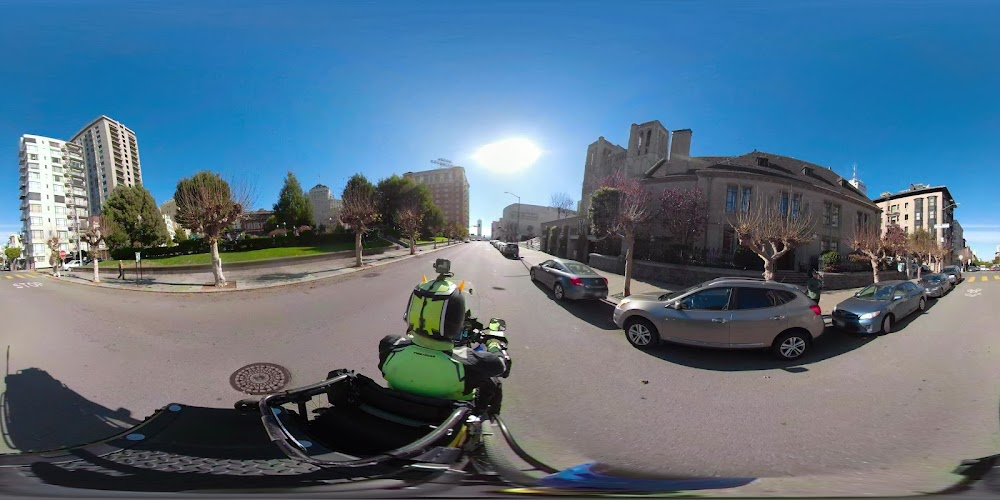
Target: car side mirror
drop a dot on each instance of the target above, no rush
(897, 297)
(674, 305)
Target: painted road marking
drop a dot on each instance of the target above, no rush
(996, 277)
(9, 277)
(27, 285)
(973, 292)
(19, 276)
(972, 279)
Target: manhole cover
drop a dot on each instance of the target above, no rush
(260, 378)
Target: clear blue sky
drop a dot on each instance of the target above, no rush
(906, 89)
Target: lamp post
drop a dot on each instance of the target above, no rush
(517, 231)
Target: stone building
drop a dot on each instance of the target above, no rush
(730, 184)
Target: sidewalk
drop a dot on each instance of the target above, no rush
(248, 279)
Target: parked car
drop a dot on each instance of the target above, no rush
(879, 306)
(995, 268)
(936, 285)
(71, 264)
(728, 313)
(973, 268)
(510, 250)
(570, 279)
(954, 274)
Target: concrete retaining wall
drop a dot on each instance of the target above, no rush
(678, 274)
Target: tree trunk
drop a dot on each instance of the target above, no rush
(413, 245)
(874, 270)
(920, 267)
(357, 249)
(768, 268)
(97, 269)
(220, 280)
(629, 256)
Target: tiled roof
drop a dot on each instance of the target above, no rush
(784, 167)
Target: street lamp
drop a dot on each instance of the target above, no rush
(517, 232)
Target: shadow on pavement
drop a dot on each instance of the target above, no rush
(595, 312)
(831, 344)
(280, 276)
(41, 413)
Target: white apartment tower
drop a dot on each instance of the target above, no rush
(111, 156)
(53, 193)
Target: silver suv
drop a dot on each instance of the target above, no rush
(728, 313)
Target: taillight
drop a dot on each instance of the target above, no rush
(815, 308)
(605, 281)
(576, 281)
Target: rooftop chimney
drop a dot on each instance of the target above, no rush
(680, 145)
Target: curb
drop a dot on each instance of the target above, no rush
(346, 270)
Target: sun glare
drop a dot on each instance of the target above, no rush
(508, 155)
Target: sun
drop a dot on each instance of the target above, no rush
(508, 155)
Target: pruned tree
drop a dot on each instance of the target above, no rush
(869, 240)
(359, 210)
(937, 255)
(684, 212)
(54, 260)
(409, 219)
(620, 207)
(920, 245)
(769, 232)
(207, 204)
(562, 203)
(94, 235)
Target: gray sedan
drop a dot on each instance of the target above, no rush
(570, 279)
(936, 285)
(877, 307)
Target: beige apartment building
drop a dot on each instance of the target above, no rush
(450, 190)
(731, 184)
(922, 206)
(111, 156)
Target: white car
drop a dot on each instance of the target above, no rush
(71, 264)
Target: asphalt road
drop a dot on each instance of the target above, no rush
(917, 401)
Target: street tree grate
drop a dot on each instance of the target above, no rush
(260, 378)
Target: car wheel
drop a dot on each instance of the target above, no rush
(559, 292)
(641, 333)
(922, 306)
(887, 324)
(791, 345)
(532, 274)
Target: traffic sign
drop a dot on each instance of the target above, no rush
(942, 226)
(137, 257)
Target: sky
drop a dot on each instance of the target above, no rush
(904, 89)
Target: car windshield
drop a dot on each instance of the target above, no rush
(951, 269)
(934, 278)
(577, 268)
(674, 295)
(876, 292)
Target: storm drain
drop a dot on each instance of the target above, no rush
(260, 378)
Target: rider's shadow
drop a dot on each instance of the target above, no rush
(40, 413)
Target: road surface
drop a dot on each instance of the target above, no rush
(911, 404)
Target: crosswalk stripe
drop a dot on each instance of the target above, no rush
(8, 277)
(972, 279)
(19, 276)
(996, 277)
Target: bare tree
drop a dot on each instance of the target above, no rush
(868, 239)
(94, 236)
(770, 233)
(54, 259)
(207, 204)
(409, 219)
(358, 210)
(562, 203)
(620, 207)
(920, 245)
(684, 212)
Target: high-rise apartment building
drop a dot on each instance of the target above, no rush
(923, 207)
(54, 196)
(111, 157)
(450, 190)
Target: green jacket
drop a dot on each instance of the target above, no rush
(435, 368)
(813, 287)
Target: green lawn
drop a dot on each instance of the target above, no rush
(231, 257)
(439, 240)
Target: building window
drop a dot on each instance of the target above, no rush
(761, 161)
(918, 213)
(783, 203)
(38, 248)
(729, 241)
(835, 216)
(36, 220)
(34, 176)
(862, 219)
(35, 209)
(36, 235)
(745, 200)
(35, 185)
(61, 223)
(824, 245)
(796, 204)
(827, 208)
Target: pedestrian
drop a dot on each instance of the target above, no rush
(121, 269)
(813, 286)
